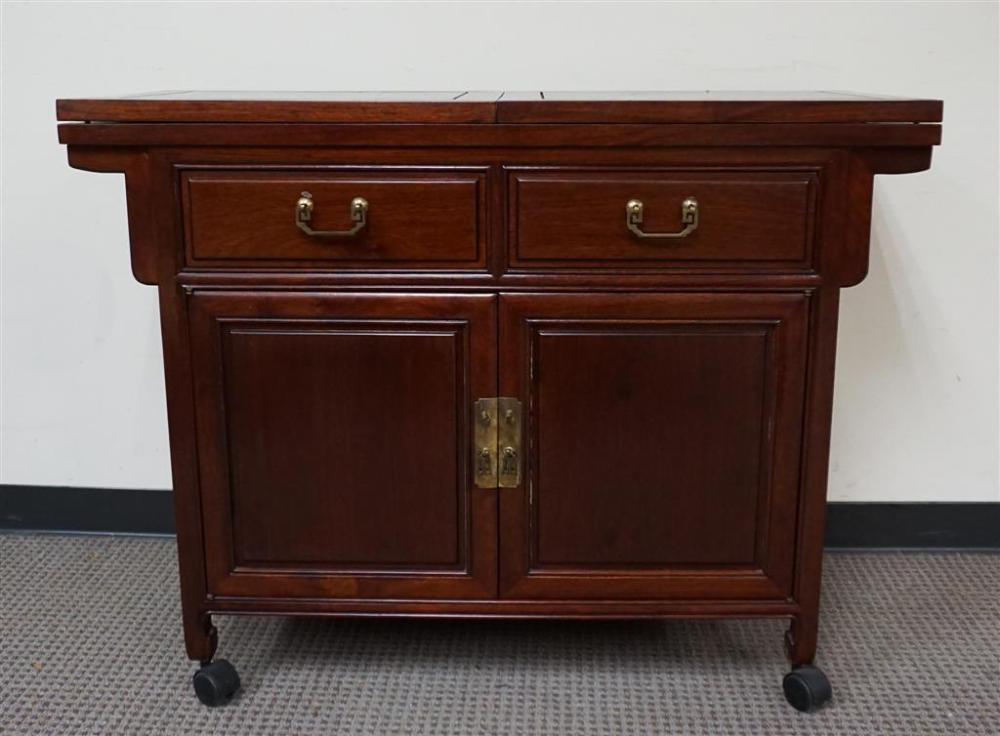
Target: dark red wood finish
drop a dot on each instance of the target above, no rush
(562, 218)
(663, 437)
(502, 107)
(418, 219)
(676, 396)
(333, 442)
(288, 107)
(712, 107)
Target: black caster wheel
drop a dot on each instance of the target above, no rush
(216, 682)
(806, 688)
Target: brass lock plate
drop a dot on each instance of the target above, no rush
(508, 442)
(496, 451)
(484, 443)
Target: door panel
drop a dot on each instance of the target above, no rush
(333, 443)
(662, 444)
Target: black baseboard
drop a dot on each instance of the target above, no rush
(849, 525)
(94, 510)
(919, 525)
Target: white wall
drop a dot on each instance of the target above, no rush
(916, 402)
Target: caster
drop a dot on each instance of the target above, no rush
(216, 682)
(806, 688)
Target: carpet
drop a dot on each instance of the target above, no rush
(90, 643)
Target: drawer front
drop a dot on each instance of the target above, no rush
(410, 219)
(751, 219)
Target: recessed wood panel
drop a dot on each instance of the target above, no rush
(333, 434)
(321, 421)
(663, 444)
(414, 219)
(577, 218)
(650, 454)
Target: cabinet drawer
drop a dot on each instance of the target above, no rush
(734, 218)
(366, 219)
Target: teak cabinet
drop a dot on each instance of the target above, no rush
(500, 354)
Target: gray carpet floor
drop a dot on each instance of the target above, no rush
(91, 644)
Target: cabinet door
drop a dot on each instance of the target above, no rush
(333, 436)
(662, 438)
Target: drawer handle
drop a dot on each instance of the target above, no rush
(689, 219)
(304, 212)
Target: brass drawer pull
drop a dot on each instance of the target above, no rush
(304, 211)
(689, 219)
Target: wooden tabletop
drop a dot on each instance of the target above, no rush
(487, 107)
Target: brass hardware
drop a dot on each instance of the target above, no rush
(484, 464)
(304, 212)
(689, 219)
(484, 442)
(497, 425)
(508, 468)
(509, 438)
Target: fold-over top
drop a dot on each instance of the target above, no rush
(485, 107)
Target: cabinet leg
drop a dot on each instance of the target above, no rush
(215, 682)
(806, 687)
(200, 637)
(800, 640)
